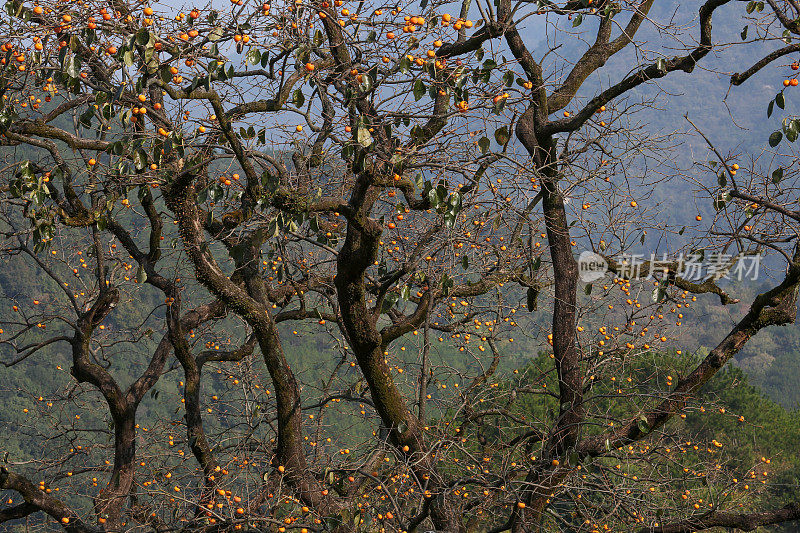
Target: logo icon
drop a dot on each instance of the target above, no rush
(591, 266)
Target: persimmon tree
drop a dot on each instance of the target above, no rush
(202, 191)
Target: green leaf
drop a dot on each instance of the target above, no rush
(743, 35)
(254, 56)
(775, 138)
(298, 98)
(405, 65)
(363, 136)
(142, 37)
(642, 424)
(447, 284)
(770, 108)
(347, 152)
(483, 144)
(502, 136)
(5, 121)
(26, 170)
(141, 275)
(318, 38)
(780, 100)
(532, 295)
(577, 20)
(272, 229)
(165, 74)
(419, 89)
(454, 201)
(366, 83)
(215, 34)
(139, 159)
(498, 106)
(460, 75)
(496, 222)
(574, 458)
(777, 175)
(72, 66)
(661, 64)
(430, 193)
(405, 293)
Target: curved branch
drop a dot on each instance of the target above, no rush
(739, 78)
(40, 500)
(739, 521)
(685, 63)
